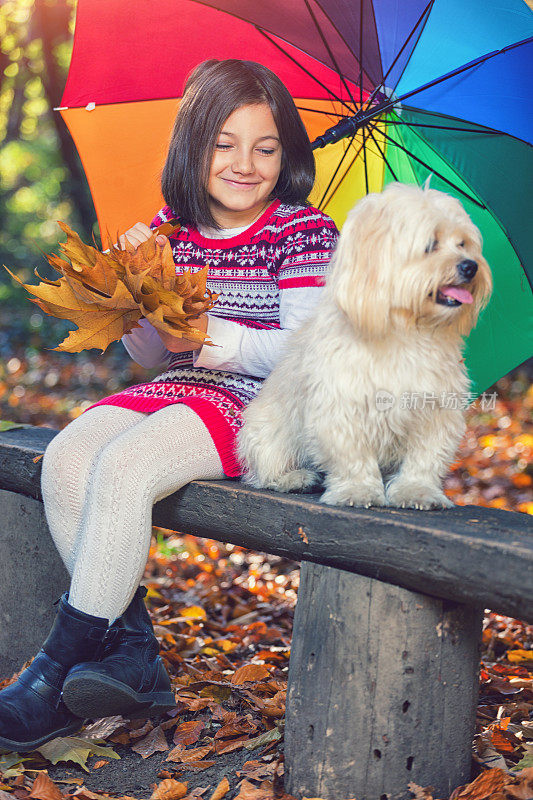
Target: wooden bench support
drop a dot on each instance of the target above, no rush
(32, 577)
(383, 687)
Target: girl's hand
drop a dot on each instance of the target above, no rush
(137, 235)
(177, 345)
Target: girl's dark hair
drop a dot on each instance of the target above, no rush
(213, 91)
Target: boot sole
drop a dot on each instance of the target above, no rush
(88, 695)
(10, 745)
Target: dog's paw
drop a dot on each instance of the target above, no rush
(361, 496)
(298, 480)
(416, 495)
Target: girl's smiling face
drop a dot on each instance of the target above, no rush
(245, 166)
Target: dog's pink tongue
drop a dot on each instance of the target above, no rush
(457, 293)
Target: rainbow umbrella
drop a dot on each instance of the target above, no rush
(387, 91)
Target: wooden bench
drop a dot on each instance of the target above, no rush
(384, 666)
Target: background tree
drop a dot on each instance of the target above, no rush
(41, 177)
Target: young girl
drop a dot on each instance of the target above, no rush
(237, 175)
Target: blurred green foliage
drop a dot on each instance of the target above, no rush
(41, 179)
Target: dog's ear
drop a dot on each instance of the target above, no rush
(359, 273)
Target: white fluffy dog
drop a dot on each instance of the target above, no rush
(369, 389)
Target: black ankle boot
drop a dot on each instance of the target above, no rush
(31, 710)
(129, 679)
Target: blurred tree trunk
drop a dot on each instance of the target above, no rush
(16, 114)
(50, 22)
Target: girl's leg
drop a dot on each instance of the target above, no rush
(68, 465)
(158, 455)
(31, 709)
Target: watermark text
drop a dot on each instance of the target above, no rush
(455, 401)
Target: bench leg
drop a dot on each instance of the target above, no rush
(32, 578)
(383, 687)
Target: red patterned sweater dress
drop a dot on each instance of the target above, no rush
(268, 279)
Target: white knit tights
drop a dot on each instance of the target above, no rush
(100, 477)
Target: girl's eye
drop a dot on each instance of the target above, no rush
(222, 146)
(265, 152)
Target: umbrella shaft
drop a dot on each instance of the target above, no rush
(347, 126)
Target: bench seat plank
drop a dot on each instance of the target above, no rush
(469, 554)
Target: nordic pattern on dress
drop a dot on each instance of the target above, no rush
(292, 247)
(229, 396)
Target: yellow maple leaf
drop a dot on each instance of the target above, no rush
(519, 656)
(106, 294)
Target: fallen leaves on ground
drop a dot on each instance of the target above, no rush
(45, 789)
(74, 748)
(11, 765)
(221, 790)
(102, 728)
(188, 732)
(7, 425)
(169, 789)
(183, 756)
(249, 673)
(247, 791)
(155, 742)
(504, 732)
(494, 465)
(248, 601)
(495, 784)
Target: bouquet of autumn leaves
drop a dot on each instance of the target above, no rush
(106, 294)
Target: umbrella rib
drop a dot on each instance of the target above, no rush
(335, 173)
(364, 159)
(383, 156)
(323, 85)
(429, 9)
(348, 168)
(321, 111)
(326, 45)
(360, 119)
(483, 129)
(419, 20)
(442, 127)
(361, 54)
(434, 171)
(334, 192)
(489, 210)
(475, 63)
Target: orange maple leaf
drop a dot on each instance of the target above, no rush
(106, 294)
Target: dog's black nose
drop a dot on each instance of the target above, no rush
(467, 269)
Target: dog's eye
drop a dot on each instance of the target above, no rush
(461, 244)
(432, 246)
